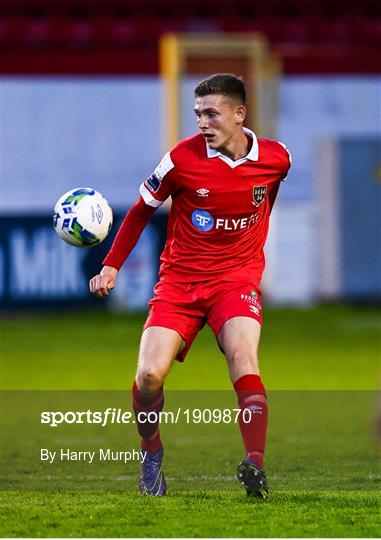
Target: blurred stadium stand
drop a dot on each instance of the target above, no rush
(68, 67)
(121, 36)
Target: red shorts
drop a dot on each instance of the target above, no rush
(186, 307)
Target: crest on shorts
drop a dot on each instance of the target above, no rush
(259, 194)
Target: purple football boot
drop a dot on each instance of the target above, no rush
(152, 481)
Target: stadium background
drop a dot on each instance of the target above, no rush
(81, 105)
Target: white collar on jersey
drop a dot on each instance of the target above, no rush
(252, 155)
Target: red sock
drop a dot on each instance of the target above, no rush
(149, 431)
(253, 423)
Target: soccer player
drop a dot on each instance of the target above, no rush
(223, 183)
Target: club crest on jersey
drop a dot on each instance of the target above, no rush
(259, 195)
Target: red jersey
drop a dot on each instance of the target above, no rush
(220, 211)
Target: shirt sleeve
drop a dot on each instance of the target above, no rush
(157, 188)
(287, 161)
(128, 233)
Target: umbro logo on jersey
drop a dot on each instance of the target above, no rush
(259, 195)
(202, 192)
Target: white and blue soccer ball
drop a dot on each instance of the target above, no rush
(82, 217)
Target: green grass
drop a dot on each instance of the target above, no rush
(333, 347)
(193, 514)
(321, 366)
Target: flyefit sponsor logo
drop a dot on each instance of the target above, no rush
(203, 221)
(234, 224)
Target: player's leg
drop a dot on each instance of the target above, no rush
(158, 349)
(239, 339)
(235, 318)
(172, 324)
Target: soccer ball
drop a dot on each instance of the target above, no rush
(82, 217)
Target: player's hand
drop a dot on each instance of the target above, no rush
(102, 283)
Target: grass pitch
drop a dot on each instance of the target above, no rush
(321, 367)
(193, 514)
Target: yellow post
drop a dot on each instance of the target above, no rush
(219, 52)
(170, 61)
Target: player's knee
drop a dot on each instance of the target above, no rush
(244, 362)
(149, 380)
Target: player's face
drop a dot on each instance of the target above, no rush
(220, 119)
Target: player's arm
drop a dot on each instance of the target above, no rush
(125, 240)
(153, 192)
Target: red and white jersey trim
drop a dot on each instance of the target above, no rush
(289, 156)
(252, 155)
(155, 180)
(165, 165)
(148, 197)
